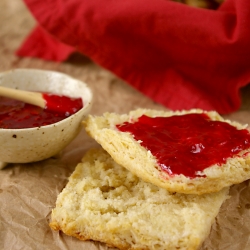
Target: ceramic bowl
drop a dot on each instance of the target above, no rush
(39, 143)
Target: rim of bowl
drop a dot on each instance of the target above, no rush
(86, 106)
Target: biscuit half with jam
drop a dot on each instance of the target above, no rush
(191, 152)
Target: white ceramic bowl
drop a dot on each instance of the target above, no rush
(39, 143)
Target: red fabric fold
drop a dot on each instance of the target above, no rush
(180, 56)
(43, 45)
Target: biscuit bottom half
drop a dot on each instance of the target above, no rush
(105, 202)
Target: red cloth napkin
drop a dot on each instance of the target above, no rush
(180, 56)
(43, 45)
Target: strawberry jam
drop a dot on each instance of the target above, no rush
(62, 104)
(187, 144)
(17, 115)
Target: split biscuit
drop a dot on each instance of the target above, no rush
(105, 202)
(129, 153)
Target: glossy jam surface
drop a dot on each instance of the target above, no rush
(188, 143)
(17, 115)
(62, 104)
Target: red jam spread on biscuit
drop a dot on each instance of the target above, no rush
(188, 144)
(17, 115)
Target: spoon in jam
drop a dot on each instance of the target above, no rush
(51, 102)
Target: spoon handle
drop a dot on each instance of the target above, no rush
(34, 98)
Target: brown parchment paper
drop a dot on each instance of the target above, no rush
(28, 191)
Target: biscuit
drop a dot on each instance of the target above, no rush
(105, 202)
(128, 152)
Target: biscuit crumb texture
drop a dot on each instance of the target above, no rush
(128, 152)
(105, 202)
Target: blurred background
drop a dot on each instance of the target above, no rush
(17, 23)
